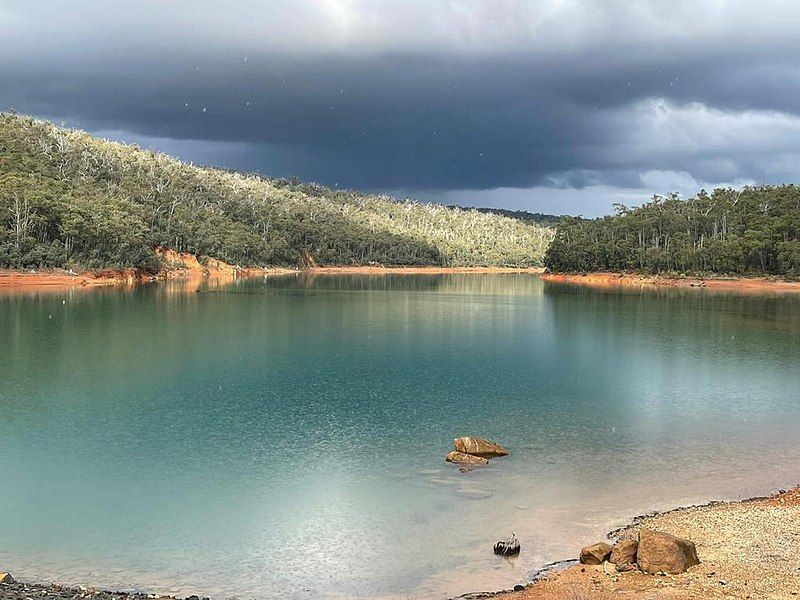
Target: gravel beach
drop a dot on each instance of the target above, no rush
(748, 549)
(53, 591)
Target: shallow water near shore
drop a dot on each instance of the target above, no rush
(284, 437)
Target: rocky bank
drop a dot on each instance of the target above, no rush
(748, 550)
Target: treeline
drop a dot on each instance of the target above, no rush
(755, 231)
(68, 199)
(523, 215)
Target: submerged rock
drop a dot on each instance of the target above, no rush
(478, 446)
(507, 547)
(475, 493)
(460, 458)
(659, 551)
(624, 552)
(596, 554)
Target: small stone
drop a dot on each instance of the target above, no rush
(595, 554)
(624, 567)
(519, 588)
(507, 547)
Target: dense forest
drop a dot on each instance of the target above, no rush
(68, 199)
(755, 230)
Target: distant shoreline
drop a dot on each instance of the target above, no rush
(59, 279)
(18, 280)
(378, 270)
(610, 280)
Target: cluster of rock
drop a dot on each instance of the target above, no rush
(472, 451)
(16, 590)
(653, 552)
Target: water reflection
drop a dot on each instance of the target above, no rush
(247, 439)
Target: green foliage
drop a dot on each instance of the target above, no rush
(524, 215)
(752, 231)
(69, 199)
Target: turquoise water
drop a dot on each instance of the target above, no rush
(285, 438)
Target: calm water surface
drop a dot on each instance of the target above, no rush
(285, 438)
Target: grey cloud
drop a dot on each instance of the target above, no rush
(429, 97)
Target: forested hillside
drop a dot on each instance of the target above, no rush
(524, 215)
(69, 199)
(751, 231)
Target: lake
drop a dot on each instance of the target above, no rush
(285, 437)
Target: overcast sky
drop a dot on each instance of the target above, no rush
(560, 106)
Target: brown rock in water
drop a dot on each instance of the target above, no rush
(478, 447)
(624, 552)
(595, 554)
(6, 578)
(660, 551)
(465, 459)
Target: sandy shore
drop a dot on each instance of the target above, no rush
(12, 281)
(628, 280)
(747, 549)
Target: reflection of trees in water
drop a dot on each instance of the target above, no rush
(671, 311)
(494, 284)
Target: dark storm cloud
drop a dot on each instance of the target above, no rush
(426, 96)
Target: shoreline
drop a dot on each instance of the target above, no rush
(187, 268)
(611, 280)
(57, 280)
(747, 549)
(411, 270)
(184, 267)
